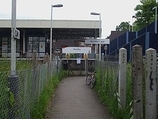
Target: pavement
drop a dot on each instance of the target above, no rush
(73, 99)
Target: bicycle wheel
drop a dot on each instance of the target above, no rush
(92, 84)
(88, 79)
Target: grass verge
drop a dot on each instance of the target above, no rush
(107, 89)
(39, 110)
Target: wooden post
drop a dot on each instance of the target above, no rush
(137, 78)
(122, 76)
(150, 103)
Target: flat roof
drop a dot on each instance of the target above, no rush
(62, 29)
(33, 23)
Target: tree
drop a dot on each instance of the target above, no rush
(144, 14)
(124, 26)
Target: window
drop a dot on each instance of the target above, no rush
(36, 44)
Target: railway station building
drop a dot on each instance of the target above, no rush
(35, 35)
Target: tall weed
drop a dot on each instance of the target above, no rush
(107, 88)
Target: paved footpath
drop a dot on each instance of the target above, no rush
(73, 99)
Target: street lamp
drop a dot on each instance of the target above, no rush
(13, 40)
(155, 19)
(13, 80)
(105, 48)
(132, 22)
(129, 26)
(57, 5)
(94, 13)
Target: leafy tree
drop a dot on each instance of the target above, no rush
(144, 14)
(124, 26)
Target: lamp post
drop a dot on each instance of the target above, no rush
(129, 26)
(155, 19)
(94, 13)
(13, 79)
(105, 48)
(132, 22)
(51, 38)
(13, 40)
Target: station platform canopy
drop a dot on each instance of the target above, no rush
(62, 29)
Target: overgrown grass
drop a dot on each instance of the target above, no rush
(107, 88)
(4, 90)
(5, 65)
(39, 110)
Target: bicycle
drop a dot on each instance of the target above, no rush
(90, 79)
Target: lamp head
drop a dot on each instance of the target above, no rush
(57, 5)
(155, 7)
(133, 16)
(94, 13)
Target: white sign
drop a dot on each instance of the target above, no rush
(97, 41)
(76, 50)
(16, 34)
(78, 60)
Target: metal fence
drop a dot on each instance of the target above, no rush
(17, 97)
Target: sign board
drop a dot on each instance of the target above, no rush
(85, 56)
(16, 34)
(97, 41)
(76, 50)
(78, 60)
(67, 55)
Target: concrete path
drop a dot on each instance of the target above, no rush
(73, 99)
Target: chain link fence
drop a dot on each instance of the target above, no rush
(19, 95)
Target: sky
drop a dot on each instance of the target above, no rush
(113, 12)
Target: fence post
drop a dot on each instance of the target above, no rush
(122, 76)
(102, 57)
(34, 88)
(101, 74)
(13, 84)
(150, 103)
(137, 78)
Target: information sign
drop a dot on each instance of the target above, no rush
(76, 50)
(97, 41)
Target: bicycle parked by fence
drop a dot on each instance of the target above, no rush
(90, 79)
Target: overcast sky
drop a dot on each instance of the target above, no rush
(113, 12)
